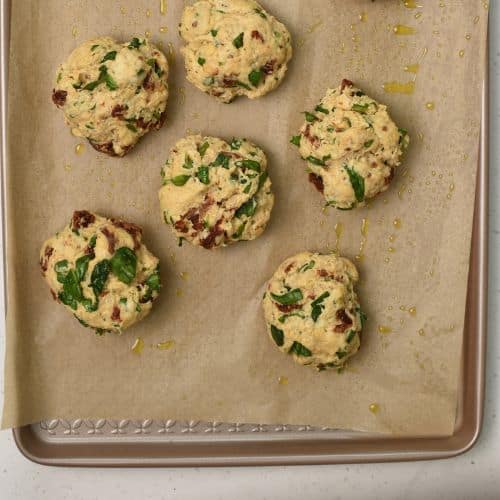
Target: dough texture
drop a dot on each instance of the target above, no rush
(215, 193)
(101, 271)
(352, 146)
(234, 48)
(312, 311)
(113, 94)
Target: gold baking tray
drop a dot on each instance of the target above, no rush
(105, 443)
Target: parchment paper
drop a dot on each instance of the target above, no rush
(223, 367)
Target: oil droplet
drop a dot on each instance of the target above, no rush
(384, 329)
(172, 257)
(461, 53)
(123, 10)
(430, 105)
(468, 36)
(184, 275)
(401, 191)
(401, 29)
(374, 408)
(402, 308)
(421, 332)
(79, 148)
(412, 310)
(67, 167)
(364, 234)
(412, 68)
(74, 32)
(392, 237)
(363, 17)
(410, 4)
(387, 260)
(163, 29)
(171, 52)
(147, 34)
(138, 346)
(399, 87)
(148, 12)
(364, 227)
(282, 380)
(476, 19)
(313, 27)
(339, 230)
(179, 292)
(418, 15)
(163, 7)
(166, 345)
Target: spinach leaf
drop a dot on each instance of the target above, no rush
(214, 32)
(132, 128)
(300, 350)
(110, 56)
(318, 306)
(239, 232)
(357, 183)
(180, 180)
(250, 164)
(201, 61)
(307, 266)
(202, 149)
(350, 336)
(99, 276)
(124, 265)
(82, 264)
(221, 161)
(295, 140)
(367, 144)
(135, 43)
(277, 335)
(247, 209)
(238, 41)
(310, 117)
(92, 241)
(188, 162)
(288, 298)
(235, 144)
(321, 109)
(315, 161)
(255, 77)
(153, 283)
(360, 108)
(242, 84)
(203, 175)
(262, 179)
(283, 318)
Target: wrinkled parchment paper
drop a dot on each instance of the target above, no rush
(223, 367)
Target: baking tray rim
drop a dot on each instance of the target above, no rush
(278, 451)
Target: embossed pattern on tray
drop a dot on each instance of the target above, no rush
(106, 427)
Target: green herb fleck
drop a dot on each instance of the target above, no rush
(321, 109)
(367, 144)
(318, 306)
(350, 336)
(255, 77)
(277, 335)
(238, 41)
(310, 117)
(135, 43)
(307, 266)
(360, 108)
(203, 175)
(295, 140)
(249, 164)
(357, 183)
(132, 127)
(99, 276)
(214, 32)
(124, 265)
(202, 148)
(180, 180)
(188, 162)
(201, 61)
(235, 144)
(289, 298)
(300, 350)
(247, 209)
(315, 161)
(110, 56)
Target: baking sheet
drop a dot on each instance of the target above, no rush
(222, 366)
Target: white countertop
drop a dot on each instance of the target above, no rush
(475, 475)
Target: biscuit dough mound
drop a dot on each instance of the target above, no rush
(100, 270)
(312, 311)
(234, 48)
(352, 146)
(113, 94)
(215, 193)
